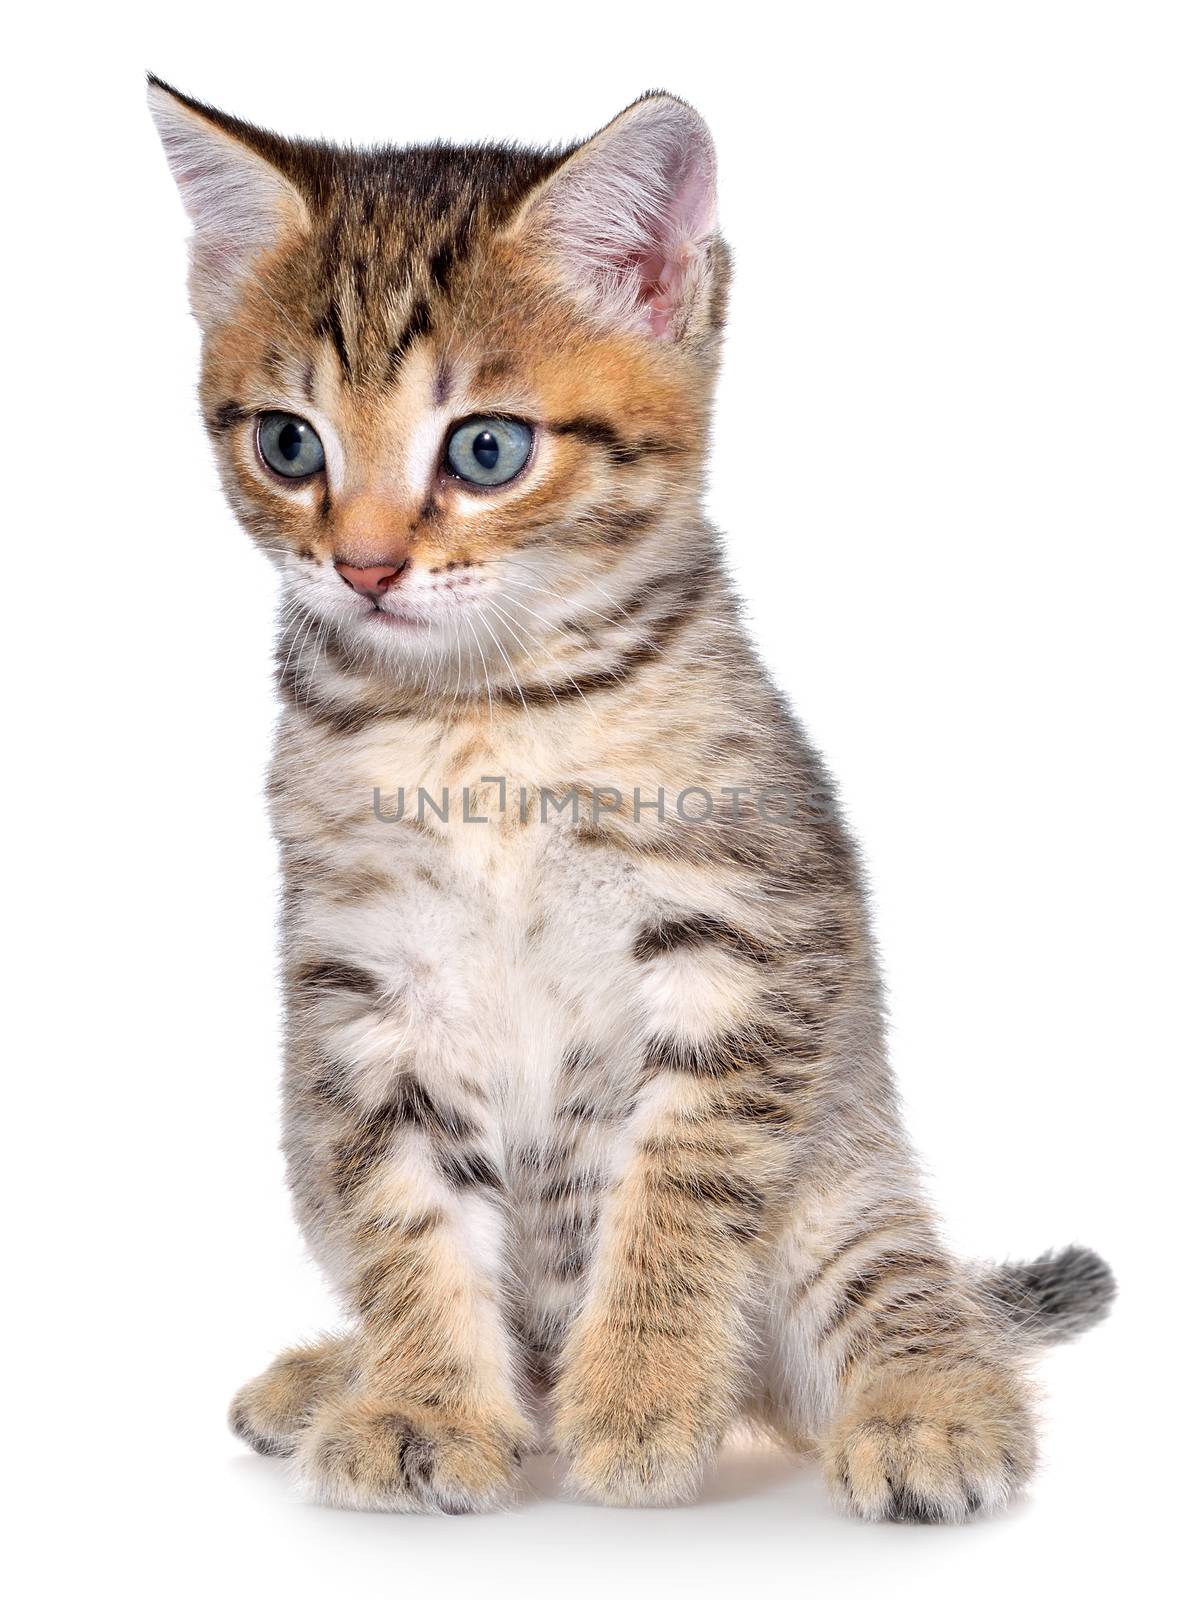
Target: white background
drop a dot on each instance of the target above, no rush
(956, 460)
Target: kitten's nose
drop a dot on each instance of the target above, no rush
(368, 580)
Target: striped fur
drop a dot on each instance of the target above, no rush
(587, 1113)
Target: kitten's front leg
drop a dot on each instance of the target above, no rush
(429, 1419)
(653, 1370)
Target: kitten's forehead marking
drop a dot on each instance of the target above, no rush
(417, 418)
(390, 441)
(335, 455)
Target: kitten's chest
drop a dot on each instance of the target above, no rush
(494, 940)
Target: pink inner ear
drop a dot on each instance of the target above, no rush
(682, 228)
(662, 314)
(658, 281)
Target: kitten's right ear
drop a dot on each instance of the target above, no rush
(240, 203)
(629, 220)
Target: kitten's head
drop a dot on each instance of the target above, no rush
(458, 394)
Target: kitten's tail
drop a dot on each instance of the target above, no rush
(1056, 1297)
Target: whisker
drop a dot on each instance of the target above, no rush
(483, 663)
(508, 664)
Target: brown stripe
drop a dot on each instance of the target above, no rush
(857, 1293)
(731, 1053)
(469, 1169)
(418, 325)
(871, 1227)
(661, 631)
(337, 716)
(323, 976)
(329, 326)
(226, 416)
(620, 450)
(768, 1111)
(685, 933)
(410, 1106)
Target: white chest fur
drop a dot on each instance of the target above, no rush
(497, 944)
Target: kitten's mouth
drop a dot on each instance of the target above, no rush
(396, 619)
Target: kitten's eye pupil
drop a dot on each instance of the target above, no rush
(486, 450)
(290, 441)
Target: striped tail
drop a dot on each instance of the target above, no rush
(1056, 1297)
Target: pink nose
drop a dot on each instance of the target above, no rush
(368, 580)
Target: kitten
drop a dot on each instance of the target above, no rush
(587, 1111)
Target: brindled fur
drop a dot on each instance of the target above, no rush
(587, 1112)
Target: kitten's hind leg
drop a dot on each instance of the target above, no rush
(881, 1354)
(271, 1411)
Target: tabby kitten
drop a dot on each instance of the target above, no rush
(586, 1106)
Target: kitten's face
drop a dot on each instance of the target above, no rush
(459, 397)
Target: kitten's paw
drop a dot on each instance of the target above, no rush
(651, 1462)
(378, 1455)
(931, 1447)
(627, 1447)
(271, 1411)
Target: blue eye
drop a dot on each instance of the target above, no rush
(489, 450)
(289, 445)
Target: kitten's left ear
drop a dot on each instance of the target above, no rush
(630, 218)
(239, 200)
